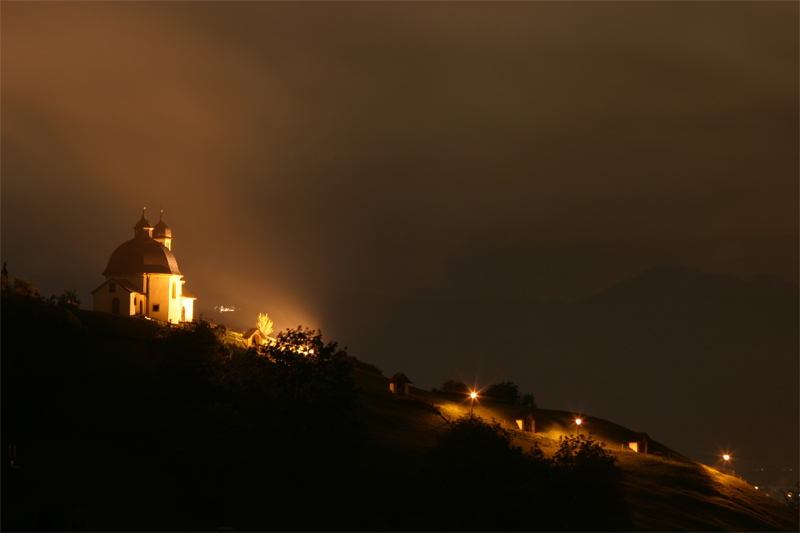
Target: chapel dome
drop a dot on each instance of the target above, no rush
(142, 255)
(161, 230)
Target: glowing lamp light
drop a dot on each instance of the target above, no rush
(578, 421)
(726, 457)
(472, 396)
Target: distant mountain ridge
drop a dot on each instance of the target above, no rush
(707, 361)
(672, 282)
(679, 296)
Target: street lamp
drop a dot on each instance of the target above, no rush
(472, 396)
(578, 422)
(727, 461)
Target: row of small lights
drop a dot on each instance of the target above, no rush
(578, 421)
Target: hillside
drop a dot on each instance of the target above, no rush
(121, 424)
(703, 361)
(665, 490)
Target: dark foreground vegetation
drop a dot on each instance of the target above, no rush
(499, 487)
(122, 424)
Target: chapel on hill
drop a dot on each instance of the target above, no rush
(142, 277)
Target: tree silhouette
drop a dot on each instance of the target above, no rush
(23, 287)
(69, 299)
(587, 484)
(505, 391)
(485, 481)
(528, 401)
(456, 387)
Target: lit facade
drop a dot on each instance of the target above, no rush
(143, 279)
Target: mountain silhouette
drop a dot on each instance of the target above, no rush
(685, 346)
(704, 361)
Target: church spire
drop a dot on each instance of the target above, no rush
(162, 233)
(143, 227)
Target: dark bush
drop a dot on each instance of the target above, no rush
(491, 485)
(528, 401)
(367, 367)
(587, 484)
(455, 387)
(505, 391)
(487, 483)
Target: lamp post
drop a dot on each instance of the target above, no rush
(578, 422)
(727, 463)
(472, 396)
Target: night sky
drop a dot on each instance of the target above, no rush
(406, 176)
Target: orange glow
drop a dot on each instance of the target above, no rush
(578, 421)
(473, 395)
(726, 457)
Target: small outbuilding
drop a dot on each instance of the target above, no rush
(399, 385)
(526, 421)
(253, 338)
(639, 442)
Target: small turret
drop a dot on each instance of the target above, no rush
(143, 227)
(162, 233)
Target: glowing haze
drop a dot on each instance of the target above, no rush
(322, 162)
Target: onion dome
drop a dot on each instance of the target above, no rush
(162, 231)
(141, 255)
(143, 226)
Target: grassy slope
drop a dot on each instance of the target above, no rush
(666, 491)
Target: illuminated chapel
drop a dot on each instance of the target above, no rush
(142, 278)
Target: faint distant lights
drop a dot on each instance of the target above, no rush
(224, 309)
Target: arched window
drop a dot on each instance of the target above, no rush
(174, 290)
(183, 314)
(115, 306)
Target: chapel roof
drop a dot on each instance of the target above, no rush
(142, 255)
(124, 283)
(143, 223)
(250, 332)
(187, 295)
(161, 230)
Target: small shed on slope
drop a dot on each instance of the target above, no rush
(526, 421)
(253, 338)
(399, 385)
(639, 442)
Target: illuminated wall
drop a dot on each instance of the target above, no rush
(162, 304)
(188, 307)
(127, 301)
